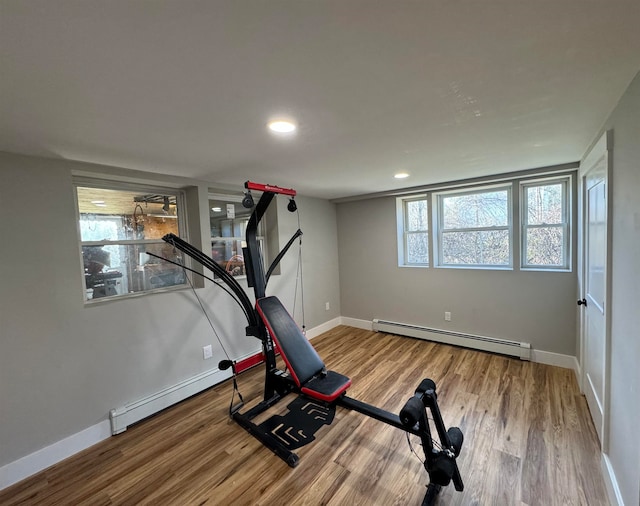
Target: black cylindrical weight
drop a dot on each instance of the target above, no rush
(426, 384)
(411, 412)
(455, 438)
(441, 469)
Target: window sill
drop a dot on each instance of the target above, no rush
(134, 295)
(546, 269)
(477, 267)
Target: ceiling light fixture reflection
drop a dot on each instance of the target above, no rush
(216, 209)
(282, 126)
(401, 175)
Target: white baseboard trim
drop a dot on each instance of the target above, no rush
(577, 368)
(128, 414)
(52, 454)
(354, 322)
(557, 359)
(323, 327)
(611, 484)
(542, 357)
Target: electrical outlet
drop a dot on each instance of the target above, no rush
(447, 316)
(207, 352)
(327, 306)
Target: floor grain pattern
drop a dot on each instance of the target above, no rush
(529, 440)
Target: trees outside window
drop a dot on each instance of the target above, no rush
(474, 228)
(416, 231)
(545, 225)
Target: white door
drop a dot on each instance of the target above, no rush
(594, 302)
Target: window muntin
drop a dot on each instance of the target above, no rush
(228, 220)
(416, 231)
(545, 224)
(117, 228)
(474, 228)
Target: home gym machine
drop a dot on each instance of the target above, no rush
(305, 372)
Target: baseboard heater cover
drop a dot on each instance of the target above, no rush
(491, 344)
(131, 413)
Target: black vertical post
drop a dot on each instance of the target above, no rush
(256, 269)
(257, 279)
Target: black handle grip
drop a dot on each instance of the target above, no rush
(582, 302)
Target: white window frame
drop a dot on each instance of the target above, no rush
(441, 230)
(106, 184)
(403, 233)
(517, 208)
(565, 225)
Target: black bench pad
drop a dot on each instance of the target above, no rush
(326, 388)
(305, 365)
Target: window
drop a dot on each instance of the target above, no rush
(228, 219)
(415, 242)
(118, 227)
(545, 224)
(474, 228)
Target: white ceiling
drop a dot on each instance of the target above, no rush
(441, 89)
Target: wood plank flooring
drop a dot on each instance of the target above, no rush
(529, 440)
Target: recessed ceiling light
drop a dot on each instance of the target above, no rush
(401, 175)
(282, 126)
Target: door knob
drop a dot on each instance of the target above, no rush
(582, 302)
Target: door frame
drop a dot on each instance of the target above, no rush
(602, 148)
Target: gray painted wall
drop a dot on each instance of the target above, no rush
(624, 437)
(530, 306)
(63, 366)
(534, 307)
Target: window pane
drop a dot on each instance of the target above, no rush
(488, 209)
(228, 220)
(136, 215)
(120, 269)
(116, 214)
(228, 255)
(417, 216)
(101, 228)
(545, 246)
(490, 247)
(418, 248)
(544, 204)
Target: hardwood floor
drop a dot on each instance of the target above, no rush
(529, 440)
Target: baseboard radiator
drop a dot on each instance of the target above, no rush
(491, 344)
(133, 412)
